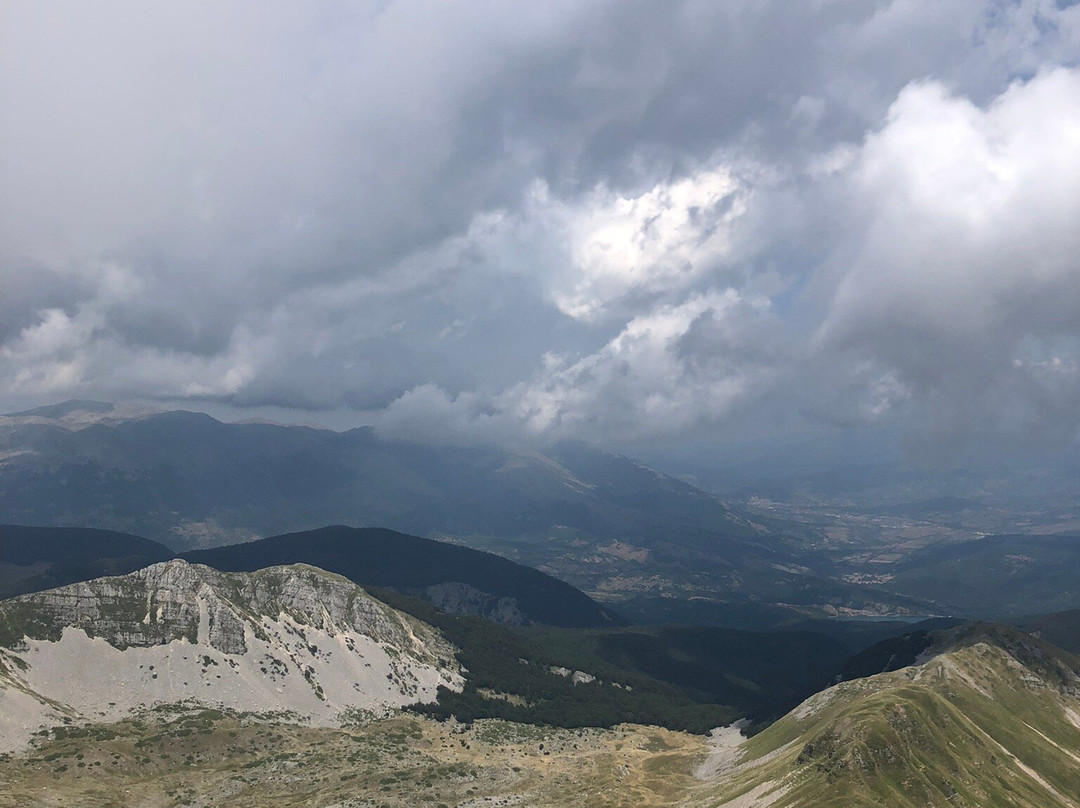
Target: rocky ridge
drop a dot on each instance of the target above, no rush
(290, 640)
(988, 716)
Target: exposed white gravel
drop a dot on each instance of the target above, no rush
(319, 675)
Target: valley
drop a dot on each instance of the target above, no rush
(879, 524)
(649, 546)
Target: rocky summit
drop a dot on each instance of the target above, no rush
(291, 641)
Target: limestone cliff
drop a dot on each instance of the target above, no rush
(294, 641)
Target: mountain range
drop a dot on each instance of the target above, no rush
(637, 539)
(180, 684)
(36, 558)
(496, 611)
(568, 622)
(456, 579)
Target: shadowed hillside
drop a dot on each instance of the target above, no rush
(456, 579)
(35, 558)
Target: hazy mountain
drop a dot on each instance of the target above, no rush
(1061, 629)
(187, 479)
(294, 641)
(603, 522)
(72, 407)
(453, 578)
(880, 511)
(988, 717)
(36, 558)
(995, 575)
(656, 549)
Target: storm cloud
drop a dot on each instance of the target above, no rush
(606, 220)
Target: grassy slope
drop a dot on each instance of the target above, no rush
(166, 760)
(972, 727)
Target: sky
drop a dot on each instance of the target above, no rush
(639, 224)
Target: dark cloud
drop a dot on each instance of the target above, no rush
(29, 288)
(609, 220)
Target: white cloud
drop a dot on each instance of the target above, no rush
(664, 373)
(964, 251)
(652, 378)
(969, 220)
(655, 243)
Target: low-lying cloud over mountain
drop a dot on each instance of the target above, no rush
(611, 221)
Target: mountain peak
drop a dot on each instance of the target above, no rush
(64, 408)
(291, 639)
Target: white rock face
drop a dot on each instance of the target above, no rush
(22, 711)
(293, 640)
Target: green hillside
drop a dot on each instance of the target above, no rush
(992, 720)
(685, 678)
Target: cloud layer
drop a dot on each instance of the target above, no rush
(615, 221)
